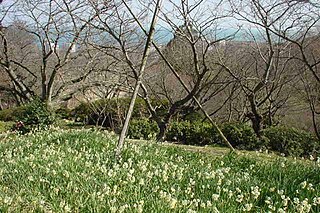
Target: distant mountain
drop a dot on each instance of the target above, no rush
(163, 35)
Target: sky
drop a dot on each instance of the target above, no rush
(164, 32)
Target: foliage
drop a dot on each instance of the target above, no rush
(111, 113)
(64, 113)
(143, 129)
(75, 171)
(241, 136)
(291, 141)
(12, 114)
(284, 140)
(6, 126)
(33, 115)
(37, 115)
(81, 112)
(193, 116)
(196, 133)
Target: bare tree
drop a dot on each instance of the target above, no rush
(57, 48)
(195, 39)
(261, 65)
(121, 37)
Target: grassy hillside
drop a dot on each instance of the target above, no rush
(75, 171)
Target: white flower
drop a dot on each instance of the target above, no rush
(239, 198)
(310, 187)
(140, 206)
(113, 209)
(67, 208)
(215, 197)
(303, 184)
(66, 174)
(285, 201)
(296, 200)
(316, 201)
(255, 191)
(230, 193)
(141, 182)
(125, 165)
(280, 192)
(7, 200)
(185, 202)
(247, 207)
(215, 210)
(173, 203)
(268, 200)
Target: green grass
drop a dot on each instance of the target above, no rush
(75, 171)
(6, 126)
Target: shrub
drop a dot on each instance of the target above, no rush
(29, 116)
(196, 133)
(110, 113)
(280, 139)
(291, 141)
(6, 126)
(35, 115)
(241, 136)
(12, 114)
(194, 117)
(143, 129)
(81, 112)
(64, 113)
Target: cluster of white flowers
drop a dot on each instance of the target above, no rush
(82, 170)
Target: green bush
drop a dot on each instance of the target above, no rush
(12, 114)
(36, 115)
(29, 116)
(109, 113)
(194, 117)
(64, 113)
(280, 139)
(241, 136)
(6, 126)
(196, 133)
(143, 129)
(81, 112)
(291, 141)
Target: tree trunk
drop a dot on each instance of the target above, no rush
(256, 123)
(255, 117)
(139, 80)
(163, 126)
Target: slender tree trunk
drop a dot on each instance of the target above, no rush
(139, 80)
(315, 126)
(255, 117)
(49, 96)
